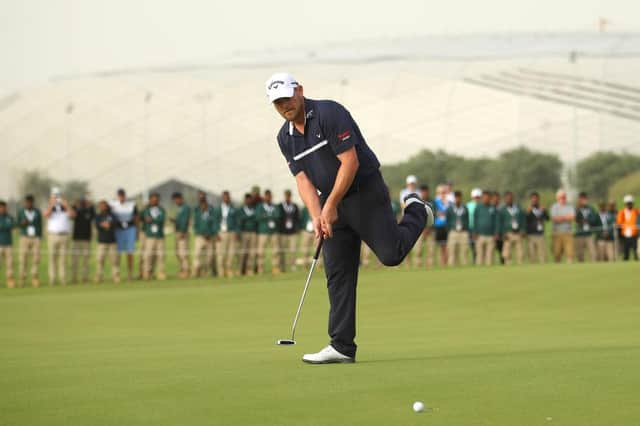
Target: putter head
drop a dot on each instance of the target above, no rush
(285, 342)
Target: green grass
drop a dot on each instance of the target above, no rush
(499, 346)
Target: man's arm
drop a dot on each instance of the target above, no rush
(310, 198)
(346, 173)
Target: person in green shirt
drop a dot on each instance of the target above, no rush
(458, 235)
(512, 226)
(268, 215)
(181, 226)
(586, 223)
(205, 230)
(30, 224)
(6, 243)
(225, 215)
(248, 226)
(485, 230)
(153, 225)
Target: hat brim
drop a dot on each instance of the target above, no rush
(281, 92)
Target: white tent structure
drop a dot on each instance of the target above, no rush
(211, 126)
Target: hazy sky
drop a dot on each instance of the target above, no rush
(43, 38)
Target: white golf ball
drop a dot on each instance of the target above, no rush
(418, 406)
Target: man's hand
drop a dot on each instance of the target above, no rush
(328, 217)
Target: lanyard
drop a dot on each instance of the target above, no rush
(30, 215)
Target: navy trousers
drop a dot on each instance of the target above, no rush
(365, 214)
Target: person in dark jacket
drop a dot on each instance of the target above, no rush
(106, 224)
(458, 236)
(536, 217)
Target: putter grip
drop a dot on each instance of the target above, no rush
(315, 256)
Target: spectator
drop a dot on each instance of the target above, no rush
(628, 222)
(106, 224)
(226, 218)
(127, 214)
(248, 225)
(499, 244)
(604, 235)
(6, 243)
(441, 204)
(476, 194)
(205, 230)
(458, 237)
(142, 239)
(85, 214)
(268, 216)
(536, 217)
(288, 228)
(153, 250)
(181, 226)
(562, 217)
(410, 188)
(30, 223)
(308, 237)
(512, 225)
(59, 217)
(586, 221)
(426, 241)
(485, 230)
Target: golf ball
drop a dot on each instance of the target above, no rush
(418, 406)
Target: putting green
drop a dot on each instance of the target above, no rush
(530, 345)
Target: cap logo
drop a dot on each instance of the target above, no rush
(275, 84)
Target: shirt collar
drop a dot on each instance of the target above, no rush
(308, 114)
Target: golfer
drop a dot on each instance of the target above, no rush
(338, 179)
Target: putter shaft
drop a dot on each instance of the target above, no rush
(306, 287)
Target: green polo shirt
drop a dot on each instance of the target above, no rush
(606, 226)
(247, 219)
(268, 215)
(6, 226)
(30, 222)
(203, 222)
(511, 219)
(485, 220)
(154, 228)
(231, 222)
(458, 218)
(182, 218)
(586, 220)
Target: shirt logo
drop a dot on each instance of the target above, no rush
(319, 135)
(344, 135)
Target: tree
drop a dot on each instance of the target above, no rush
(521, 170)
(597, 172)
(37, 184)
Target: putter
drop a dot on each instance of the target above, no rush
(304, 294)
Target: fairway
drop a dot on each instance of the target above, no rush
(530, 345)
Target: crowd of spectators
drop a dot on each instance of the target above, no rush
(493, 228)
(258, 235)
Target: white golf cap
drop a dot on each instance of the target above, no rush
(411, 179)
(628, 198)
(280, 85)
(476, 192)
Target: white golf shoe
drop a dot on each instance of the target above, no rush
(327, 355)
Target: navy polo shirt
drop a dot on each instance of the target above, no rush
(329, 131)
